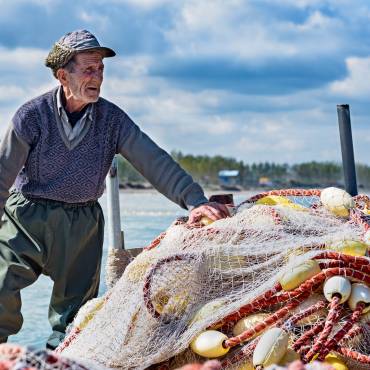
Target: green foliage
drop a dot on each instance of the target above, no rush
(363, 175)
(314, 172)
(126, 172)
(204, 169)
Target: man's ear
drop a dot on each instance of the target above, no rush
(62, 76)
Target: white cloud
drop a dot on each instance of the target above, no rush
(239, 29)
(22, 58)
(10, 92)
(8, 7)
(264, 127)
(143, 4)
(356, 84)
(97, 20)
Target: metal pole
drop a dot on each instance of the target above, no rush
(346, 143)
(118, 257)
(114, 218)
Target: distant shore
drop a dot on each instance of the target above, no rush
(219, 191)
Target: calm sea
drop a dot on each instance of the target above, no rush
(143, 215)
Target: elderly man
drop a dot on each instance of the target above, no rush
(57, 152)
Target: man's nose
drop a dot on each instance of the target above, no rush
(97, 75)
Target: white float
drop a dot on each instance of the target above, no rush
(337, 201)
(360, 293)
(209, 344)
(294, 277)
(337, 285)
(271, 348)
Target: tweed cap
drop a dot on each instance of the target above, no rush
(71, 44)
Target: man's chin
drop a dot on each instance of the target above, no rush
(93, 99)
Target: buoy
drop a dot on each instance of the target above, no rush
(350, 247)
(335, 362)
(337, 285)
(205, 221)
(271, 347)
(290, 356)
(294, 277)
(173, 305)
(88, 311)
(208, 310)
(359, 293)
(209, 344)
(337, 201)
(249, 322)
(272, 200)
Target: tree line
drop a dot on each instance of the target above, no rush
(204, 170)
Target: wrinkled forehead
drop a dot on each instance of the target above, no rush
(88, 58)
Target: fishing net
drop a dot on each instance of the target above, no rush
(205, 279)
(15, 357)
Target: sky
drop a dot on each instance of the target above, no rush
(257, 80)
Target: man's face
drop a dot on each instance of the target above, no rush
(86, 77)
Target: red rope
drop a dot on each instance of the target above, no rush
(334, 341)
(270, 320)
(328, 327)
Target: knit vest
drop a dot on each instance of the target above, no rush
(56, 170)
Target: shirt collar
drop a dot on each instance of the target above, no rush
(61, 109)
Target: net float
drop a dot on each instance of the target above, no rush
(88, 311)
(335, 362)
(290, 356)
(299, 274)
(337, 201)
(337, 286)
(273, 200)
(208, 310)
(248, 323)
(205, 221)
(209, 344)
(271, 347)
(360, 293)
(350, 247)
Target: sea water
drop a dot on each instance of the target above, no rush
(144, 214)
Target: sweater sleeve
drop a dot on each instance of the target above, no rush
(158, 167)
(13, 154)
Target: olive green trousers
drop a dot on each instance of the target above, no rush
(57, 239)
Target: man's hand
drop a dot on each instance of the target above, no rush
(212, 210)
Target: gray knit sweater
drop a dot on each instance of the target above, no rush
(36, 154)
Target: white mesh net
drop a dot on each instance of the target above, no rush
(199, 277)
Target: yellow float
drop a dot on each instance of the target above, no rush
(209, 344)
(290, 356)
(249, 322)
(208, 310)
(350, 247)
(278, 200)
(334, 361)
(294, 277)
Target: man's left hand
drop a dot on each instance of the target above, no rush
(212, 210)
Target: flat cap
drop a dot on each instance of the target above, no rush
(72, 43)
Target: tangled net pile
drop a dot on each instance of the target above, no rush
(248, 290)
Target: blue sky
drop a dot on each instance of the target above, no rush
(256, 80)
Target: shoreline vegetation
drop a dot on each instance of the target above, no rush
(205, 170)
